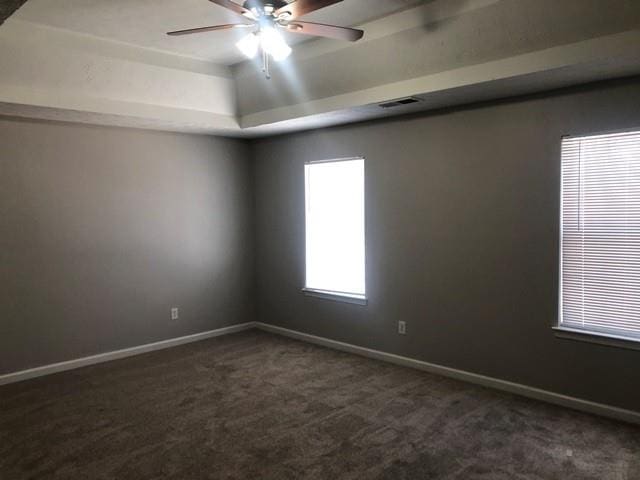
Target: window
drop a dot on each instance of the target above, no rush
(600, 228)
(335, 253)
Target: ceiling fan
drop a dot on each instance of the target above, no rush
(267, 18)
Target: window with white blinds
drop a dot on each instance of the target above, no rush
(600, 228)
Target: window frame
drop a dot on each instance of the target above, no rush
(561, 331)
(336, 296)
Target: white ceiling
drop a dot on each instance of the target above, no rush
(110, 61)
(144, 22)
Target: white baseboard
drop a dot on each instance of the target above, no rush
(516, 388)
(126, 352)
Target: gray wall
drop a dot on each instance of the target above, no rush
(462, 239)
(103, 230)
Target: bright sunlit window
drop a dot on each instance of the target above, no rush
(600, 266)
(335, 245)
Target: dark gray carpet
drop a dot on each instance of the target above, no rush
(258, 406)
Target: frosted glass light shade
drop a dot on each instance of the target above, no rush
(249, 45)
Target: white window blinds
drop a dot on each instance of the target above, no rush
(335, 253)
(600, 228)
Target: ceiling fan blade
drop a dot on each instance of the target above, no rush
(209, 29)
(234, 7)
(299, 8)
(322, 30)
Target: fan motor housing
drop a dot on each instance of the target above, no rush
(260, 4)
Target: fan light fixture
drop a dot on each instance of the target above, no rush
(268, 18)
(249, 45)
(269, 40)
(273, 43)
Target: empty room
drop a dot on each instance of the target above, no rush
(320, 239)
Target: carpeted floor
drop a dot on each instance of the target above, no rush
(258, 406)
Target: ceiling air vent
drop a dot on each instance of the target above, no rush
(399, 102)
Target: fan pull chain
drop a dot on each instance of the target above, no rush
(265, 64)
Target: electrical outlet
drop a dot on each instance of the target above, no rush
(402, 328)
(174, 313)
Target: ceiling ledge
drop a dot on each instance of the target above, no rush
(53, 74)
(613, 56)
(122, 114)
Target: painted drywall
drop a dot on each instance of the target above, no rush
(66, 61)
(143, 23)
(462, 239)
(56, 74)
(103, 230)
(440, 37)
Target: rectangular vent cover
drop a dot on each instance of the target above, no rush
(399, 102)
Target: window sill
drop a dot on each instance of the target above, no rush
(336, 296)
(629, 343)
